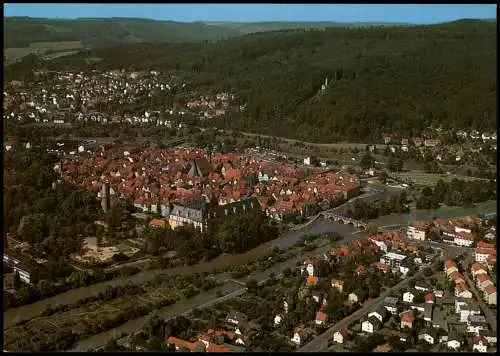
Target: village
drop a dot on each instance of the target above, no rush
(381, 293)
(108, 98)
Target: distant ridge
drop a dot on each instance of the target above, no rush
(20, 32)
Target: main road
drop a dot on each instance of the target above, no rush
(320, 342)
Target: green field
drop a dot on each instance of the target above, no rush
(48, 50)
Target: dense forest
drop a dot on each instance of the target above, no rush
(49, 217)
(380, 79)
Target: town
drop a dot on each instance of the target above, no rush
(276, 186)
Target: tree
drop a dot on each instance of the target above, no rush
(16, 283)
(371, 229)
(366, 161)
(395, 164)
(382, 177)
(428, 272)
(252, 285)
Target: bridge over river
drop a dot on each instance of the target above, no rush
(342, 219)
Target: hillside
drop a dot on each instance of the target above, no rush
(391, 79)
(21, 31)
(253, 27)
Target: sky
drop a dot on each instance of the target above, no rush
(409, 13)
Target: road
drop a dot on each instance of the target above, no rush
(320, 342)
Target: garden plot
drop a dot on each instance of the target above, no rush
(88, 319)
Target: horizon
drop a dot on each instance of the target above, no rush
(244, 13)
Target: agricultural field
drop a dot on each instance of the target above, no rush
(50, 50)
(429, 179)
(96, 314)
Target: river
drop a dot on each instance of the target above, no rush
(321, 226)
(15, 315)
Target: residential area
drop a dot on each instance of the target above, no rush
(409, 297)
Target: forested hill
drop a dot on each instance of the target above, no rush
(389, 79)
(253, 27)
(21, 31)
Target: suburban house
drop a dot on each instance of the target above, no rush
(482, 254)
(286, 305)
(429, 297)
(312, 265)
(462, 291)
(278, 318)
(298, 336)
(353, 298)
(237, 318)
(480, 344)
(489, 335)
(320, 318)
(456, 277)
(391, 304)
(477, 269)
(380, 313)
(483, 281)
(428, 312)
(371, 325)
(340, 336)
(432, 142)
(338, 284)
(490, 295)
(416, 230)
(465, 307)
(450, 267)
(407, 319)
(317, 296)
(439, 319)
(409, 296)
(428, 335)
(418, 307)
(455, 340)
(475, 323)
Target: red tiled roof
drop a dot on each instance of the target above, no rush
(343, 332)
(312, 280)
(320, 316)
(483, 278)
(429, 297)
(480, 339)
(477, 267)
(217, 348)
(158, 223)
(182, 343)
(408, 317)
(486, 251)
(485, 245)
(491, 289)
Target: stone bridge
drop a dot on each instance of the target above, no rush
(342, 219)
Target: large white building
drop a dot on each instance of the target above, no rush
(392, 259)
(416, 231)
